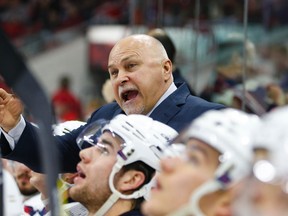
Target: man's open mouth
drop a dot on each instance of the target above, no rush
(80, 173)
(129, 95)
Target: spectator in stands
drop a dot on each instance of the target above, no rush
(107, 91)
(280, 59)
(66, 105)
(14, 19)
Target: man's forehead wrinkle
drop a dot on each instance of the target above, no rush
(118, 58)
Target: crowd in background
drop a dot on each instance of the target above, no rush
(21, 18)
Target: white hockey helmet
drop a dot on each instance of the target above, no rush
(146, 137)
(273, 137)
(144, 140)
(229, 131)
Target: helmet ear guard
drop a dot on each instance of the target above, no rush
(122, 157)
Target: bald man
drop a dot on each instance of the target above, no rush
(141, 76)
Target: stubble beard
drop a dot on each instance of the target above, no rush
(133, 109)
(28, 191)
(91, 201)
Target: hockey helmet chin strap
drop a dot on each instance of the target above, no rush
(122, 156)
(64, 185)
(221, 180)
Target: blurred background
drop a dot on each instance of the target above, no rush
(230, 51)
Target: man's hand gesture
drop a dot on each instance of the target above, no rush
(11, 109)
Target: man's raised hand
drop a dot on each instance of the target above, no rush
(11, 109)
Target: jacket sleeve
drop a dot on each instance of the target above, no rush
(27, 150)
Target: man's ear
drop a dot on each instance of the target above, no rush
(130, 180)
(167, 69)
(217, 203)
(224, 209)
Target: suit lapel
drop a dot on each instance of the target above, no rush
(119, 111)
(171, 105)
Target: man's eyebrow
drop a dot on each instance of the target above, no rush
(110, 66)
(113, 141)
(107, 142)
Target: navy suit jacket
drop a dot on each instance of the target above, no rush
(177, 111)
